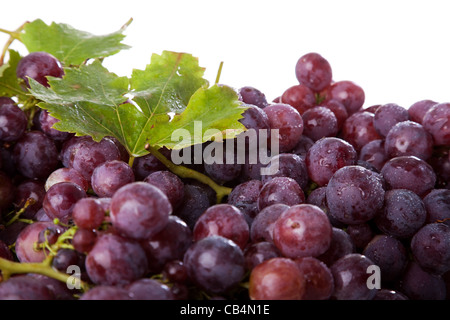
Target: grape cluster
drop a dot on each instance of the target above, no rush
(359, 208)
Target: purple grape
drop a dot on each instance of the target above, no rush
(408, 138)
(387, 116)
(440, 162)
(288, 122)
(418, 284)
(255, 118)
(350, 94)
(6, 191)
(64, 258)
(35, 155)
(84, 240)
(139, 210)
(24, 288)
(115, 260)
(361, 234)
(354, 195)
(437, 204)
(221, 169)
(5, 252)
(175, 271)
(261, 228)
(66, 175)
(374, 153)
(215, 264)
(389, 254)
(109, 176)
(300, 97)
(244, 196)
(326, 156)
(251, 95)
(223, 220)
(319, 281)
(314, 71)
(46, 123)
(341, 244)
(257, 253)
(302, 147)
(61, 198)
(430, 247)
(386, 294)
(169, 244)
(339, 110)
(33, 191)
(145, 165)
(418, 109)
(149, 289)
(13, 123)
(287, 165)
(39, 65)
(403, 214)
(106, 292)
(350, 278)
(280, 190)
(358, 130)
(409, 172)
(277, 279)
(170, 184)
(437, 122)
(301, 231)
(319, 122)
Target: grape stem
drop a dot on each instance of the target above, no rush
(13, 35)
(10, 267)
(185, 172)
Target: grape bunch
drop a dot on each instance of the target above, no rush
(358, 208)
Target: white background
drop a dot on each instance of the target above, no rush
(397, 51)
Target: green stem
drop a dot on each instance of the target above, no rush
(10, 267)
(185, 172)
(219, 72)
(131, 161)
(13, 35)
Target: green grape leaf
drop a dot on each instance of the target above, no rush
(69, 45)
(9, 83)
(169, 94)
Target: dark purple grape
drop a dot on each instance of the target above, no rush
(37, 66)
(221, 168)
(244, 196)
(86, 154)
(251, 95)
(139, 210)
(170, 184)
(358, 130)
(169, 244)
(84, 240)
(374, 153)
(288, 122)
(403, 214)
(149, 289)
(437, 122)
(418, 109)
(7, 162)
(341, 244)
(319, 281)
(354, 195)
(389, 254)
(115, 260)
(46, 123)
(257, 253)
(5, 252)
(338, 109)
(277, 279)
(215, 264)
(280, 190)
(440, 162)
(408, 138)
(255, 118)
(409, 172)
(6, 191)
(437, 204)
(326, 156)
(175, 271)
(106, 292)
(58, 289)
(24, 288)
(386, 294)
(60, 200)
(287, 165)
(351, 277)
(35, 155)
(301, 231)
(196, 201)
(430, 247)
(13, 123)
(299, 97)
(66, 175)
(387, 116)
(418, 284)
(302, 147)
(88, 213)
(143, 166)
(109, 176)
(314, 71)
(361, 234)
(64, 258)
(350, 94)
(261, 228)
(33, 192)
(223, 220)
(319, 122)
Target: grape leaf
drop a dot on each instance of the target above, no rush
(90, 101)
(69, 45)
(9, 84)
